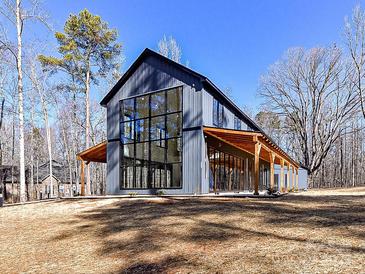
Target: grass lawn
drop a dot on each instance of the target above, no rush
(312, 232)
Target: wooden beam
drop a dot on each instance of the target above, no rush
(82, 179)
(272, 170)
(238, 132)
(247, 174)
(245, 140)
(293, 178)
(288, 178)
(227, 142)
(257, 167)
(242, 173)
(281, 174)
(297, 180)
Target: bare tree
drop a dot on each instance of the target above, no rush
(355, 42)
(311, 90)
(170, 48)
(16, 14)
(38, 80)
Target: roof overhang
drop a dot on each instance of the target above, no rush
(96, 153)
(246, 140)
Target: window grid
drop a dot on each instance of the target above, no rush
(158, 173)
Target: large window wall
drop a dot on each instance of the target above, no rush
(151, 147)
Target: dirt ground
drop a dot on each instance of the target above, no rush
(310, 232)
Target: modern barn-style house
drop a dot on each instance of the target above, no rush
(170, 128)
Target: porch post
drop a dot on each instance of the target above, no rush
(82, 178)
(293, 177)
(288, 178)
(247, 174)
(257, 167)
(272, 170)
(281, 174)
(297, 180)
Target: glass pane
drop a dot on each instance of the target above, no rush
(157, 153)
(128, 109)
(127, 129)
(158, 128)
(158, 105)
(173, 175)
(163, 176)
(174, 150)
(142, 130)
(127, 173)
(174, 100)
(173, 124)
(141, 174)
(128, 151)
(142, 150)
(142, 107)
(158, 175)
(220, 115)
(215, 112)
(237, 123)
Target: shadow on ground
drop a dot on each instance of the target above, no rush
(138, 230)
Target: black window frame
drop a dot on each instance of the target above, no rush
(167, 172)
(218, 113)
(237, 123)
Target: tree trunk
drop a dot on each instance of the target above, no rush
(12, 160)
(87, 128)
(74, 141)
(19, 26)
(40, 191)
(49, 146)
(32, 151)
(1, 150)
(67, 149)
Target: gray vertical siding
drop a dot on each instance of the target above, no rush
(302, 178)
(192, 107)
(204, 185)
(113, 120)
(113, 171)
(192, 161)
(207, 101)
(192, 140)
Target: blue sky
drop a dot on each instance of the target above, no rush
(231, 42)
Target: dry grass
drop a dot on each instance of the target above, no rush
(312, 232)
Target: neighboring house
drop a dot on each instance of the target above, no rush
(170, 128)
(9, 176)
(61, 181)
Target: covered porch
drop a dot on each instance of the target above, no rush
(96, 154)
(242, 160)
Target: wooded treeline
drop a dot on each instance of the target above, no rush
(314, 107)
(48, 111)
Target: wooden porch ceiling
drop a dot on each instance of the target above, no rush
(96, 153)
(246, 140)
